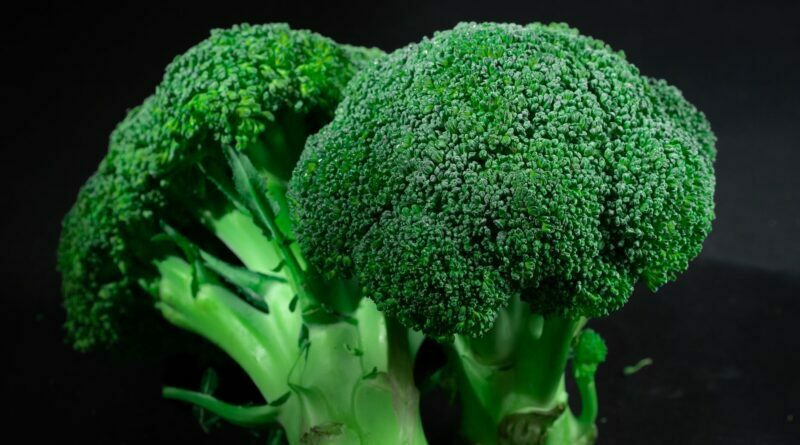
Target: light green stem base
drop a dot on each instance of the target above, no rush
(511, 382)
(348, 382)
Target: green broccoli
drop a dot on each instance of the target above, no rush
(496, 186)
(187, 214)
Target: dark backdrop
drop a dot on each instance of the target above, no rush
(723, 340)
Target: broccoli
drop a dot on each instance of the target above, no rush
(313, 209)
(495, 187)
(186, 219)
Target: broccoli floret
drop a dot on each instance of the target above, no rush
(504, 183)
(505, 161)
(255, 89)
(187, 213)
(589, 351)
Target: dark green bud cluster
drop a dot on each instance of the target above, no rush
(494, 161)
(256, 89)
(588, 352)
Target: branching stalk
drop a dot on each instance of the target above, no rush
(245, 416)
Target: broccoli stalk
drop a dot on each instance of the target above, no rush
(512, 379)
(331, 364)
(334, 375)
(188, 213)
(346, 381)
(515, 394)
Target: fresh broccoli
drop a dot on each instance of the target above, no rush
(499, 185)
(493, 187)
(186, 218)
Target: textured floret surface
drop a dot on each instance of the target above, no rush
(230, 91)
(493, 161)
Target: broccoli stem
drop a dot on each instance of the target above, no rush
(347, 371)
(246, 240)
(349, 379)
(352, 386)
(402, 350)
(264, 345)
(589, 404)
(251, 187)
(511, 381)
(245, 416)
(350, 382)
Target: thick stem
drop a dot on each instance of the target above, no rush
(401, 375)
(401, 365)
(511, 381)
(541, 362)
(352, 385)
(349, 375)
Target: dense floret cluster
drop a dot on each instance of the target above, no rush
(495, 161)
(259, 89)
(590, 350)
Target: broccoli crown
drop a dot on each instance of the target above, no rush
(497, 160)
(261, 86)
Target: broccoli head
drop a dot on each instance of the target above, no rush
(250, 91)
(497, 161)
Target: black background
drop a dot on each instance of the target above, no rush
(723, 339)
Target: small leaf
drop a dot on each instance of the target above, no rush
(281, 400)
(347, 318)
(338, 315)
(183, 243)
(254, 299)
(252, 285)
(303, 342)
(210, 381)
(252, 189)
(216, 174)
(372, 374)
(293, 303)
(353, 350)
(275, 437)
(208, 385)
(506, 367)
(199, 276)
(633, 369)
(199, 273)
(207, 420)
(279, 267)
